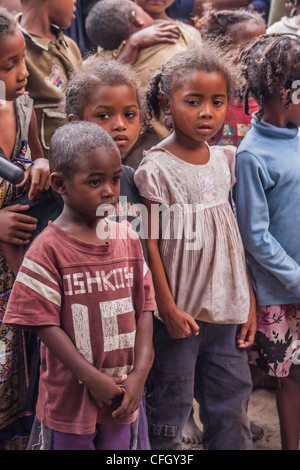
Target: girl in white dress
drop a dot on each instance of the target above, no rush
(206, 314)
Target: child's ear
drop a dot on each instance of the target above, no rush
(136, 22)
(287, 98)
(164, 102)
(72, 118)
(58, 183)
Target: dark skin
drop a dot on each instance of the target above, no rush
(145, 33)
(16, 228)
(288, 390)
(80, 222)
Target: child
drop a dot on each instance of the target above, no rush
(108, 94)
(234, 29)
(18, 138)
(51, 56)
(268, 173)
(197, 261)
(288, 24)
(140, 42)
(91, 303)
(158, 11)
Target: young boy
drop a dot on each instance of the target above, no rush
(85, 288)
(51, 56)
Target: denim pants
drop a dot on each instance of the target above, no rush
(209, 367)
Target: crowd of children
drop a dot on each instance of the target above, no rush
(151, 253)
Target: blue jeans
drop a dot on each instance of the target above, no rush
(210, 368)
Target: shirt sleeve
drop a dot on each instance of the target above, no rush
(35, 299)
(151, 183)
(230, 155)
(253, 220)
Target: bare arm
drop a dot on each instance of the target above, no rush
(178, 323)
(164, 32)
(247, 334)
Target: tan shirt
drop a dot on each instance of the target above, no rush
(49, 64)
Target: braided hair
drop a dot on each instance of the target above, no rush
(269, 66)
(218, 23)
(175, 71)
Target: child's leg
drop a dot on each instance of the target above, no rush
(288, 404)
(170, 388)
(64, 441)
(112, 437)
(222, 388)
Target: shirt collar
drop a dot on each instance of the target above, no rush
(43, 43)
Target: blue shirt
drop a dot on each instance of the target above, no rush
(267, 198)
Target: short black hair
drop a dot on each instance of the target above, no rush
(109, 23)
(74, 141)
(8, 24)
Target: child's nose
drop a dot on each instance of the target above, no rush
(206, 110)
(119, 123)
(23, 72)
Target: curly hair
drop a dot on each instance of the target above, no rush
(73, 140)
(176, 70)
(217, 23)
(85, 79)
(109, 23)
(8, 24)
(268, 67)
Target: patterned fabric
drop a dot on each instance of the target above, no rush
(277, 341)
(13, 370)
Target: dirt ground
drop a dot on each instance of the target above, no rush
(263, 413)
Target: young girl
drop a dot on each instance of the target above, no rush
(108, 94)
(18, 135)
(234, 30)
(197, 261)
(267, 196)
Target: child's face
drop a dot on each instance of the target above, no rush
(96, 182)
(13, 71)
(116, 109)
(198, 107)
(154, 7)
(61, 12)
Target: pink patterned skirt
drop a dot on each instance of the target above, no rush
(277, 341)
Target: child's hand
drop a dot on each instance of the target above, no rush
(39, 174)
(164, 32)
(104, 390)
(180, 324)
(246, 336)
(133, 389)
(16, 228)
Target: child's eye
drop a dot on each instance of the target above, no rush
(103, 116)
(218, 103)
(193, 102)
(95, 183)
(116, 179)
(130, 115)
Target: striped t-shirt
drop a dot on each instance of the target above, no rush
(96, 294)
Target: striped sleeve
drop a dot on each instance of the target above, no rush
(36, 296)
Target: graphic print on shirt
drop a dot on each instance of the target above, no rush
(56, 79)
